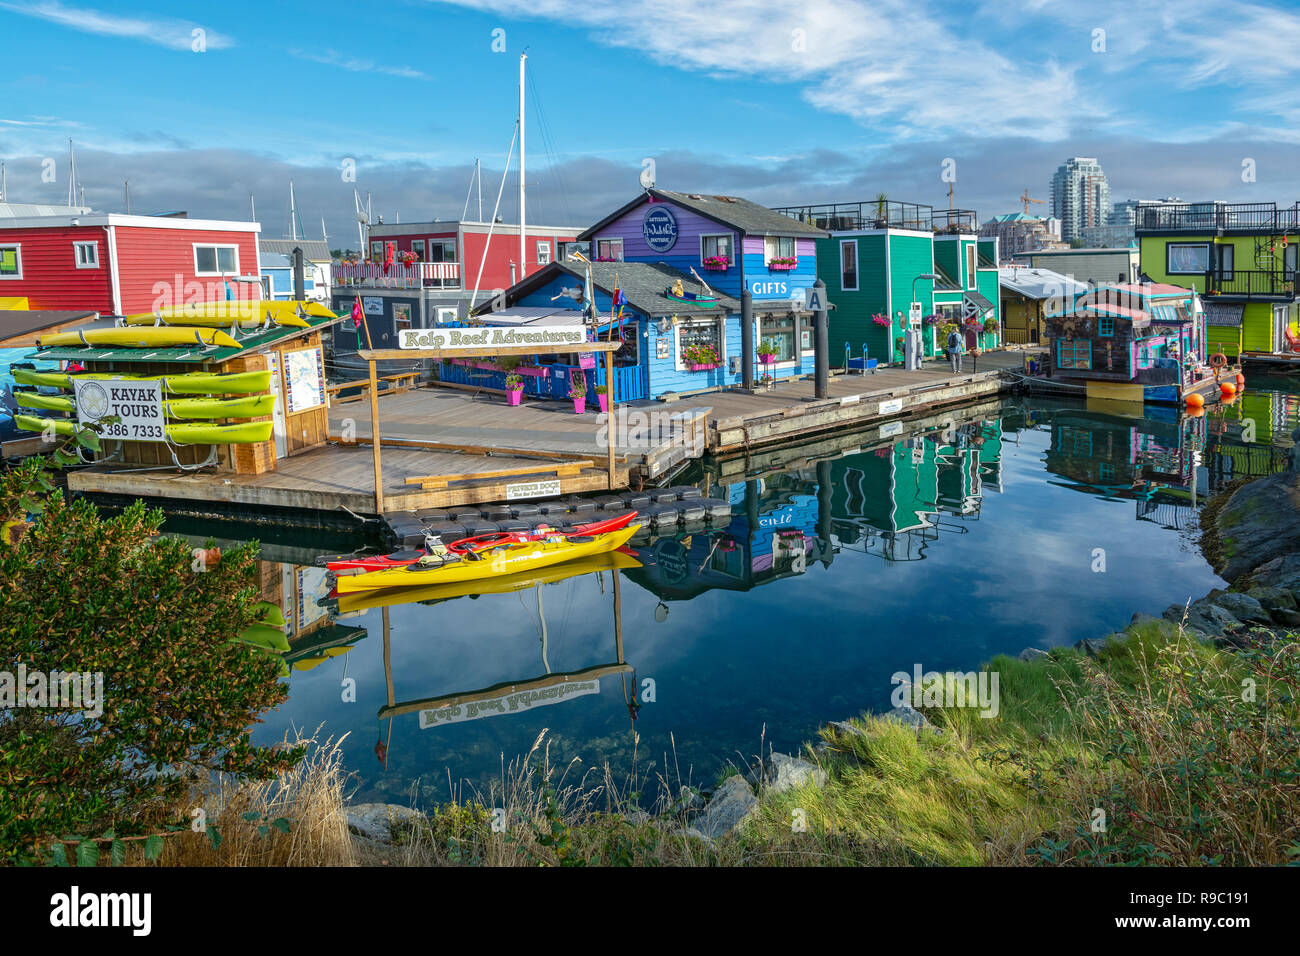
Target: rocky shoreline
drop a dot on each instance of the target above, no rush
(1253, 539)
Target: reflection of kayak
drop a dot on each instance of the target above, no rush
(178, 433)
(226, 314)
(184, 383)
(400, 559)
(510, 558)
(620, 559)
(140, 337)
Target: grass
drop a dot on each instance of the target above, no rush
(1189, 754)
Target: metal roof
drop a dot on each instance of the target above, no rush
(1040, 283)
(27, 210)
(644, 284)
(315, 250)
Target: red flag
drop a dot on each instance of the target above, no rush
(357, 314)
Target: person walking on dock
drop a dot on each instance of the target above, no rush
(954, 350)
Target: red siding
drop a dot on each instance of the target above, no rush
(156, 266)
(51, 279)
(503, 251)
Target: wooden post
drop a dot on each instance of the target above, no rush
(609, 417)
(374, 439)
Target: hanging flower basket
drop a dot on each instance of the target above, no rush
(881, 319)
(716, 263)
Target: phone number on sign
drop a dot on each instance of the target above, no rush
(120, 430)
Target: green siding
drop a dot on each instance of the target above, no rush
(1257, 327)
(909, 257)
(850, 320)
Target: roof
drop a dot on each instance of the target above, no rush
(1223, 313)
(1015, 217)
(16, 324)
(644, 284)
(453, 225)
(535, 315)
(273, 260)
(1040, 283)
(1151, 290)
(747, 217)
(27, 210)
(978, 298)
(317, 250)
(63, 220)
(186, 355)
(945, 282)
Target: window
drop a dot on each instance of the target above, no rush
(1187, 258)
(442, 250)
(705, 332)
(609, 250)
(543, 252)
(970, 266)
(417, 246)
(1226, 261)
(1289, 258)
(11, 262)
(446, 315)
(1106, 326)
(849, 265)
(778, 331)
(401, 316)
(377, 252)
(713, 246)
(86, 255)
(777, 247)
(216, 260)
(1074, 353)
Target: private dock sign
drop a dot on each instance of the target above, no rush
(138, 406)
(451, 340)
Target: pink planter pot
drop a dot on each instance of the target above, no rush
(701, 368)
(783, 266)
(513, 395)
(586, 361)
(604, 402)
(579, 406)
(767, 360)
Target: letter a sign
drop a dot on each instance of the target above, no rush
(814, 299)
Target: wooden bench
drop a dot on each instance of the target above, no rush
(397, 383)
(565, 469)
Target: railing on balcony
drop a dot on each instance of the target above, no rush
(1265, 217)
(871, 214)
(1252, 282)
(964, 221)
(417, 275)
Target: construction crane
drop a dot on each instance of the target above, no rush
(1024, 198)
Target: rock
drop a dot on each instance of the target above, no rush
(730, 805)
(636, 817)
(784, 772)
(846, 728)
(1282, 572)
(1092, 646)
(1138, 619)
(1212, 618)
(1287, 617)
(1242, 606)
(909, 715)
(1031, 654)
(1259, 523)
(378, 821)
(1273, 599)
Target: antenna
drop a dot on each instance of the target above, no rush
(523, 254)
(126, 189)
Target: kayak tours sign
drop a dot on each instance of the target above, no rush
(138, 406)
(467, 340)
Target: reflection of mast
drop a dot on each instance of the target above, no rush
(381, 749)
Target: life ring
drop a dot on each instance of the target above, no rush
(480, 541)
(1218, 360)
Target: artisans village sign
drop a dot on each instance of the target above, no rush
(467, 340)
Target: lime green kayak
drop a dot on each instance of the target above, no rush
(184, 383)
(54, 403)
(247, 406)
(178, 433)
(264, 635)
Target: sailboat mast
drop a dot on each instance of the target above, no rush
(72, 175)
(293, 213)
(523, 256)
(3, 190)
(478, 176)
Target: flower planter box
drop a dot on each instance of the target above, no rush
(603, 398)
(782, 266)
(513, 395)
(579, 405)
(715, 266)
(767, 359)
(702, 368)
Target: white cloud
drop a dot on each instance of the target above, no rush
(332, 58)
(162, 31)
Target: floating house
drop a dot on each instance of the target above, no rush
(684, 267)
(883, 256)
(1100, 267)
(1133, 343)
(317, 262)
(277, 277)
(119, 265)
(1028, 295)
(1241, 257)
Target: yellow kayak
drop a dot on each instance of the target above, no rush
(505, 584)
(225, 314)
(246, 406)
(510, 558)
(140, 337)
(184, 383)
(53, 403)
(178, 433)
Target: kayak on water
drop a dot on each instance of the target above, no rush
(444, 567)
(183, 383)
(140, 337)
(178, 433)
(400, 559)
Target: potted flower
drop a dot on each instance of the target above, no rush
(934, 318)
(408, 259)
(767, 351)
(578, 391)
(514, 388)
(701, 357)
(881, 319)
(602, 396)
(716, 263)
(785, 263)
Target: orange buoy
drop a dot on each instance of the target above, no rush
(1195, 411)
(1241, 380)
(1227, 389)
(1195, 400)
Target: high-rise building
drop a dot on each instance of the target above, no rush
(1080, 196)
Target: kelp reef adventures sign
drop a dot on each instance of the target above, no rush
(507, 703)
(467, 340)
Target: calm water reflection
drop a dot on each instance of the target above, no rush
(845, 560)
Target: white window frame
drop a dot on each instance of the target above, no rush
(444, 315)
(678, 364)
(215, 245)
(731, 244)
(621, 248)
(420, 251)
(543, 245)
(972, 265)
(17, 247)
(77, 246)
(857, 266)
(772, 248)
(376, 255)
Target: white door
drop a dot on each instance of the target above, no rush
(279, 427)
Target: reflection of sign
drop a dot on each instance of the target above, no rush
(659, 228)
(372, 304)
(137, 404)
(890, 429)
(892, 406)
(493, 336)
(304, 378)
(532, 489)
(507, 703)
(670, 555)
(312, 584)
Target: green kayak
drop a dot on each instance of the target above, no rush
(184, 383)
(178, 433)
(248, 406)
(54, 403)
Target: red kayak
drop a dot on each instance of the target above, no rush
(398, 559)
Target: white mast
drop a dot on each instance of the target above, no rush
(293, 214)
(478, 175)
(523, 255)
(3, 191)
(126, 189)
(323, 234)
(252, 207)
(72, 175)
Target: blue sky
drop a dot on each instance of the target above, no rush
(781, 102)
